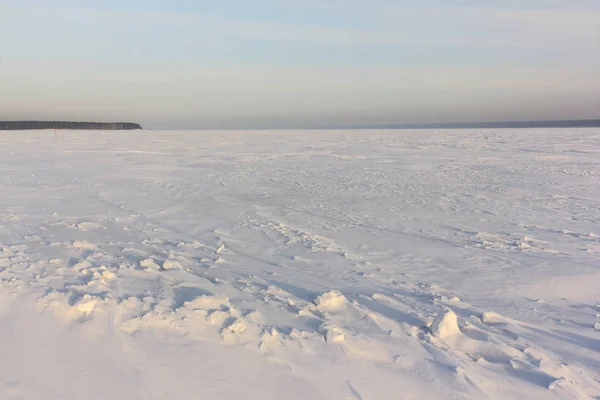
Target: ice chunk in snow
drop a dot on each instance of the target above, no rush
(149, 263)
(83, 245)
(108, 275)
(445, 324)
(597, 326)
(82, 266)
(490, 317)
(87, 304)
(171, 264)
(332, 333)
(218, 317)
(331, 301)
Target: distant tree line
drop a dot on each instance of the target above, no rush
(26, 125)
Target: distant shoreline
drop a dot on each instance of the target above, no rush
(32, 125)
(587, 123)
(583, 123)
(71, 125)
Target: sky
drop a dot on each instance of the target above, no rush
(235, 64)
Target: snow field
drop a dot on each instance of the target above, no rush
(295, 265)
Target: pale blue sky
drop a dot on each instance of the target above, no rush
(295, 63)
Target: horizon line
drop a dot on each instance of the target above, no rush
(561, 123)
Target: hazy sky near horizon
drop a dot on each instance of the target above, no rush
(299, 63)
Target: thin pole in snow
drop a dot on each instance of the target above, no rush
(55, 135)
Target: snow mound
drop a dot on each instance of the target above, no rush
(445, 324)
(331, 301)
(208, 302)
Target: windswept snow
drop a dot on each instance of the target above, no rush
(300, 265)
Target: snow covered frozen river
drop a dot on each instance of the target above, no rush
(356, 265)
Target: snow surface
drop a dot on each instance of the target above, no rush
(300, 265)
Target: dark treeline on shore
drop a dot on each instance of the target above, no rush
(26, 125)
